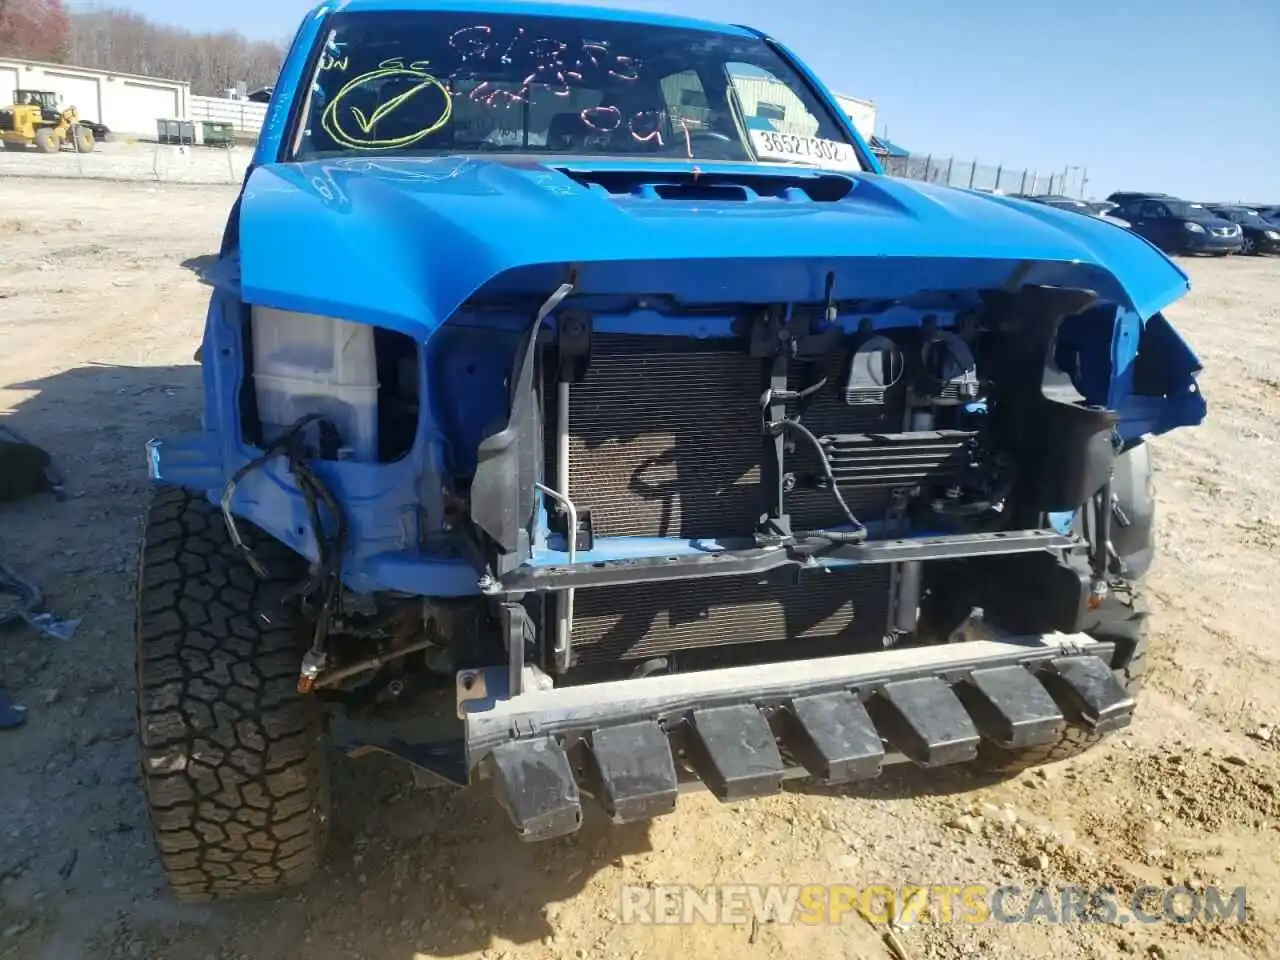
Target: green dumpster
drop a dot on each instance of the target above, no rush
(218, 133)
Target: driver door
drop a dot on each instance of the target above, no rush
(1153, 222)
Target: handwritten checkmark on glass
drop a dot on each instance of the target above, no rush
(367, 124)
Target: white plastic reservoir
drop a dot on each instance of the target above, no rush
(307, 364)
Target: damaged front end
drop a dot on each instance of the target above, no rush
(807, 504)
(690, 534)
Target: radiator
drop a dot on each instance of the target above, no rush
(648, 620)
(665, 441)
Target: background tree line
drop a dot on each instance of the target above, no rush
(127, 42)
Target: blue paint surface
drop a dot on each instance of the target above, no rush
(434, 231)
(1061, 522)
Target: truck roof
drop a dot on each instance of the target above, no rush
(531, 9)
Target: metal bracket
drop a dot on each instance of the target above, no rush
(771, 340)
(519, 632)
(727, 563)
(573, 344)
(769, 336)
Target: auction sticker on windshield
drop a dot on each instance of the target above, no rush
(772, 145)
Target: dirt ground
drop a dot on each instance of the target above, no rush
(99, 317)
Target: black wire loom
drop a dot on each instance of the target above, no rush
(320, 592)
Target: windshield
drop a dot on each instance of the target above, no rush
(440, 82)
(1249, 217)
(1188, 211)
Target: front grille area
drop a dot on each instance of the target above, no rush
(665, 441)
(644, 621)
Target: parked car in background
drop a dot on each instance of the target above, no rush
(1269, 213)
(1124, 197)
(1260, 235)
(1179, 226)
(1083, 207)
(1105, 210)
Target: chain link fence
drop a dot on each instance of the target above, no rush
(133, 160)
(948, 171)
(148, 161)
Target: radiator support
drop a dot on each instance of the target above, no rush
(666, 437)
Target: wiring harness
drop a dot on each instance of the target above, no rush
(321, 591)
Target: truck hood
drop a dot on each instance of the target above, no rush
(403, 242)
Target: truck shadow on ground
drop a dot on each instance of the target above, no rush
(201, 265)
(436, 872)
(907, 782)
(409, 871)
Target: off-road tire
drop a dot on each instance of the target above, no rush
(46, 142)
(232, 759)
(1129, 633)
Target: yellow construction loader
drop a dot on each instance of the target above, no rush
(37, 118)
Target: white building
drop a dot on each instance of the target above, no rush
(126, 104)
(773, 100)
(766, 98)
(861, 112)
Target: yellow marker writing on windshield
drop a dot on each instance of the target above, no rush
(334, 117)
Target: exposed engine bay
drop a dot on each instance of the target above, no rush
(808, 428)
(799, 447)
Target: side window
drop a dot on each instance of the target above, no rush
(1150, 210)
(772, 102)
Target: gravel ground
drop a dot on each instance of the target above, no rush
(99, 315)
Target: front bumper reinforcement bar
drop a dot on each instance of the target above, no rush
(740, 731)
(732, 563)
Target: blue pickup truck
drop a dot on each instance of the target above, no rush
(586, 414)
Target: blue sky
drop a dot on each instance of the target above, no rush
(1181, 96)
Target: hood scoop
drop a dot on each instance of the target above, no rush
(687, 185)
